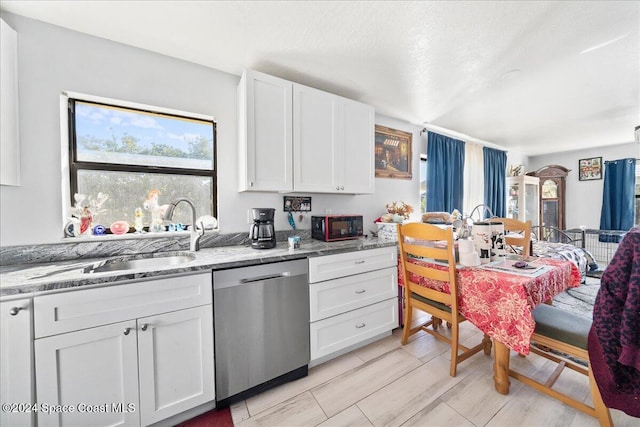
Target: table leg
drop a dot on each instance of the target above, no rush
(501, 367)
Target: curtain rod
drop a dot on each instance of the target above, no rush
(458, 135)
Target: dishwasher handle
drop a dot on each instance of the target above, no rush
(266, 277)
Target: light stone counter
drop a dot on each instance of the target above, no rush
(34, 278)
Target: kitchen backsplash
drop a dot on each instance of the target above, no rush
(104, 247)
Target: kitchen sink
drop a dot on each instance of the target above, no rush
(137, 262)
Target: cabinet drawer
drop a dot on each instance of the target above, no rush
(337, 296)
(338, 332)
(333, 266)
(74, 310)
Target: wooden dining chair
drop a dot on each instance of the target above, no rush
(429, 242)
(516, 233)
(565, 333)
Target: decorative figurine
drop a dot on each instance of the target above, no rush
(157, 211)
(139, 216)
(86, 218)
(85, 211)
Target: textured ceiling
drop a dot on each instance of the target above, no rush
(537, 77)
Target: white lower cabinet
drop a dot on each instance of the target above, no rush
(175, 355)
(136, 371)
(97, 366)
(16, 363)
(353, 300)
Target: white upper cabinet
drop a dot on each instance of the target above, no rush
(358, 149)
(264, 133)
(316, 130)
(301, 139)
(9, 136)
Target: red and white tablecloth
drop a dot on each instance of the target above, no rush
(500, 303)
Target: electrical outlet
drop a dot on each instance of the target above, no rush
(249, 216)
(328, 211)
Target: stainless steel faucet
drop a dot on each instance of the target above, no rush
(194, 238)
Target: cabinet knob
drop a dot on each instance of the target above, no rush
(361, 325)
(251, 184)
(144, 327)
(361, 291)
(342, 187)
(14, 311)
(338, 187)
(127, 330)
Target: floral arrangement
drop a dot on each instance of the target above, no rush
(400, 208)
(396, 212)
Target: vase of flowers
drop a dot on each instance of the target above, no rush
(397, 213)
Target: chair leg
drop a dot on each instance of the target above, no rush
(454, 349)
(436, 322)
(602, 412)
(408, 315)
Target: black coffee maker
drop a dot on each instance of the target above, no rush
(263, 234)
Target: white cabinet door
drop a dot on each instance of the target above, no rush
(358, 148)
(264, 131)
(94, 371)
(315, 140)
(333, 141)
(16, 369)
(176, 362)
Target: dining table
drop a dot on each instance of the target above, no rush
(499, 299)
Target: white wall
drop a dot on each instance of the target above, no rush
(584, 198)
(52, 59)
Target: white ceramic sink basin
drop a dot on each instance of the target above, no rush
(137, 262)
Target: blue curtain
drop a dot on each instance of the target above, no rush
(445, 160)
(618, 198)
(495, 170)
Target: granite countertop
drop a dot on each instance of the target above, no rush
(31, 279)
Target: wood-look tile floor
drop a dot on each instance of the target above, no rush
(387, 384)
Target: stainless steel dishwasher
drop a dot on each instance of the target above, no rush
(261, 328)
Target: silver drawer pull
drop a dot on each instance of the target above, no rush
(127, 330)
(15, 310)
(360, 262)
(144, 327)
(361, 325)
(361, 291)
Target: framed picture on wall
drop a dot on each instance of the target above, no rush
(392, 153)
(590, 169)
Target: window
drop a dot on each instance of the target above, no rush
(126, 151)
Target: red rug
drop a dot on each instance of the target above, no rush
(215, 418)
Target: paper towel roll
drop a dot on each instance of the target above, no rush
(469, 259)
(466, 246)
